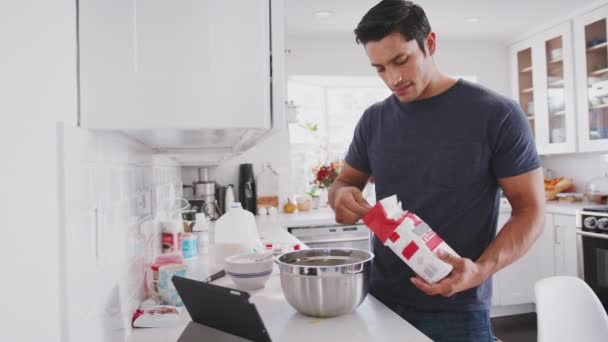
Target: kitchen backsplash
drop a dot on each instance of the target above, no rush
(581, 167)
(111, 185)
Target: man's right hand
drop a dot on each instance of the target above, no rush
(349, 205)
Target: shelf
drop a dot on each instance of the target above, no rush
(597, 47)
(526, 90)
(555, 61)
(527, 69)
(561, 113)
(556, 84)
(604, 105)
(598, 72)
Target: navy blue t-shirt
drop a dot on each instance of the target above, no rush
(442, 157)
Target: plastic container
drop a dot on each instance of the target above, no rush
(172, 236)
(189, 246)
(596, 190)
(236, 231)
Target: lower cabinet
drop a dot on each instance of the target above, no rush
(554, 253)
(564, 245)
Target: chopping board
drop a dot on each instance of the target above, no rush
(267, 183)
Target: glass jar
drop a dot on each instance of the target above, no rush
(596, 190)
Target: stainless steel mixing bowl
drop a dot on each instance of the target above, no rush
(325, 282)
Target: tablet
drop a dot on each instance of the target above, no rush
(221, 308)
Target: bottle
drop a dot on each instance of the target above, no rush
(247, 188)
(228, 198)
(236, 231)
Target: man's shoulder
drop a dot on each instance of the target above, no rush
(480, 95)
(372, 112)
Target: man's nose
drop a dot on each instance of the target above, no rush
(394, 78)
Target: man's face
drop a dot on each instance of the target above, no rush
(402, 65)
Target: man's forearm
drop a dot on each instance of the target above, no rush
(514, 240)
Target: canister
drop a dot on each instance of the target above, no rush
(189, 246)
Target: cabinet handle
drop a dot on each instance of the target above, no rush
(555, 238)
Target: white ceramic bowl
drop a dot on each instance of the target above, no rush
(246, 272)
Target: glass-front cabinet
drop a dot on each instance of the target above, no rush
(522, 82)
(543, 85)
(591, 51)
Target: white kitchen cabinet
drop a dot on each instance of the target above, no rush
(515, 283)
(182, 74)
(554, 253)
(564, 245)
(591, 53)
(543, 84)
(522, 80)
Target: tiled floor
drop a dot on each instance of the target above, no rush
(516, 328)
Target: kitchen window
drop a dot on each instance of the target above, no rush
(329, 108)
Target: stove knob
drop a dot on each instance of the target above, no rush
(602, 224)
(590, 222)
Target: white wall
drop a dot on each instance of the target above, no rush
(340, 55)
(582, 167)
(51, 176)
(273, 150)
(37, 88)
(106, 179)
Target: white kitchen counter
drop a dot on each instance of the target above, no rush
(315, 217)
(325, 216)
(371, 321)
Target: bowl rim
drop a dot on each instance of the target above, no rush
(265, 255)
(371, 256)
(252, 275)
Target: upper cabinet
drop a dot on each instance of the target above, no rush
(182, 75)
(592, 79)
(543, 84)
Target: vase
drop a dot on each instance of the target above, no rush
(315, 202)
(323, 197)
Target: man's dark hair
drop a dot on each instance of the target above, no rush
(390, 16)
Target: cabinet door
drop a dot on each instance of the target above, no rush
(591, 54)
(182, 64)
(555, 91)
(517, 280)
(522, 83)
(107, 62)
(565, 245)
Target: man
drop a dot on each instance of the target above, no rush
(444, 146)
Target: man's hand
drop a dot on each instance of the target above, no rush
(465, 275)
(349, 205)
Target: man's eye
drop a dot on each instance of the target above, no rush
(380, 69)
(401, 62)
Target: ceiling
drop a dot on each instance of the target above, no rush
(498, 20)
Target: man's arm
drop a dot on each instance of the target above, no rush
(345, 196)
(525, 192)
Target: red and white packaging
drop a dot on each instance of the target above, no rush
(410, 238)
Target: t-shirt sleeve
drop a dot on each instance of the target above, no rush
(357, 156)
(515, 151)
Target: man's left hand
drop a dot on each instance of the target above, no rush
(465, 275)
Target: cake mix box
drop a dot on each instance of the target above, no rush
(410, 238)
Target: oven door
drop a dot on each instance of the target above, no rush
(594, 253)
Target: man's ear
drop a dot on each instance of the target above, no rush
(430, 44)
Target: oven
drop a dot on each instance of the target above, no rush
(336, 235)
(592, 230)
